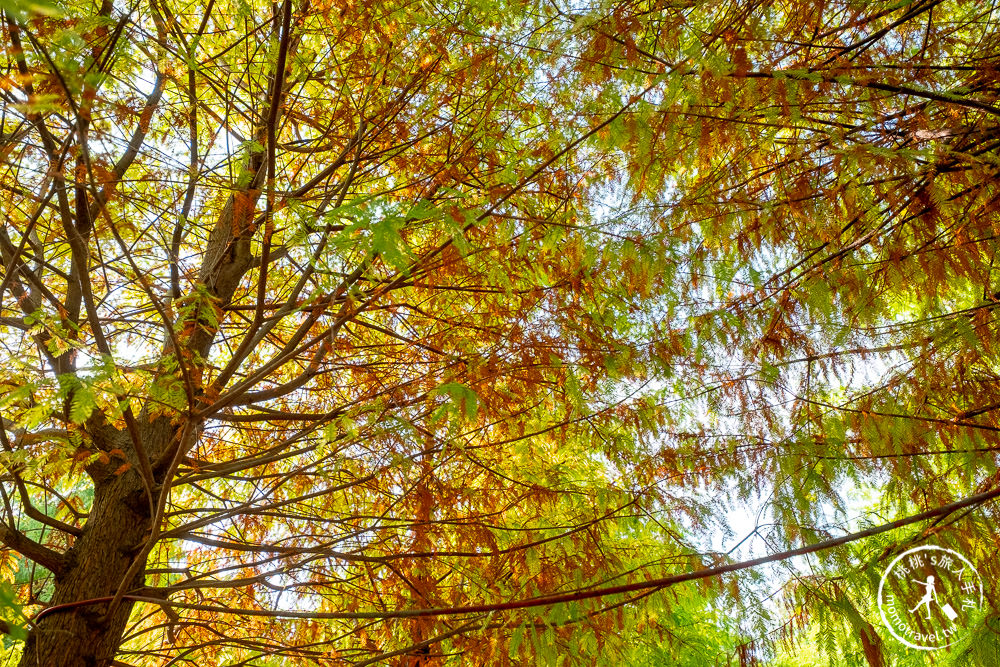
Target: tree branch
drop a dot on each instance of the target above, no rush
(50, 559)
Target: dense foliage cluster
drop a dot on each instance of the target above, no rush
(452, 332)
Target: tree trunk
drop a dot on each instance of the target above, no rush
(79, 634)
(116, 531)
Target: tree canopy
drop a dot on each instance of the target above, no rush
(455, 332)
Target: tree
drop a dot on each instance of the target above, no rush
(343, 333)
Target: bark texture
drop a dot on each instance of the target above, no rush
(115, 533)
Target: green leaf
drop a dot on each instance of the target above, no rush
(388, 242)
(82, 405)
(22, 9)
(461, 396)
(516, 638)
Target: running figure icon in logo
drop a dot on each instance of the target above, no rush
(948, 592)
(929, 595)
